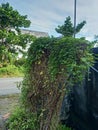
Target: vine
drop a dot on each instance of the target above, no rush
(53, 65)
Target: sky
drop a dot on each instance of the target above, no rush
(46, 15)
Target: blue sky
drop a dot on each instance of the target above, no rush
(46, 15)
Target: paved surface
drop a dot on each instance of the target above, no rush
(9, 85)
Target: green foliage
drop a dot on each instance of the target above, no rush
(80, 26)
(65, 56)
(12, 18)
(20, 62)
(63, 127)
(20, 119)
(38, 47)
(68, 29)
(11, 70)
(52, 65)
(11, 39)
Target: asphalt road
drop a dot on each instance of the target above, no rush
(9, 85)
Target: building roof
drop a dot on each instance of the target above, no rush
(34, 33)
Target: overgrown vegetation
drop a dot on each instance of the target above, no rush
(12, 71)
(12, 41)
(22, 120)
(53, 66)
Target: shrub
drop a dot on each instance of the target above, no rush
(11, 70)
(52, 66)
(21, 120)
(20, 62)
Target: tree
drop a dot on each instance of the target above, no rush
(68, 29)
(10, 18)
(11, 38)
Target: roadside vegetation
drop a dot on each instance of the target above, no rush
(12, 42)
(12, 71)
(52, 66)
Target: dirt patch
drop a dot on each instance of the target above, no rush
(8, 103)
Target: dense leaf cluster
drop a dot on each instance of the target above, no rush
(54, 64)
(10, 18)
(67, 29)
(21, 120)
(11, 39)
(65, 55)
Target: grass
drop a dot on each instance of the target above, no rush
(11, 71)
